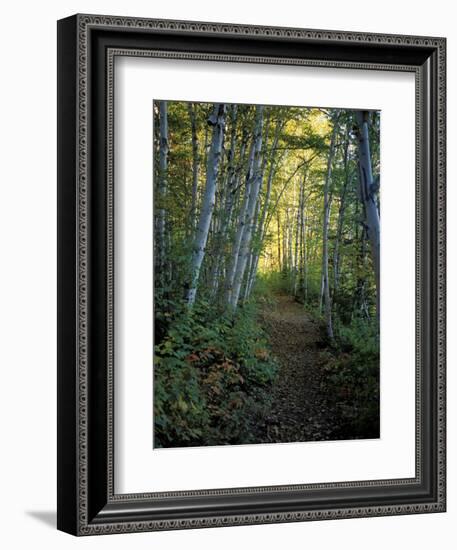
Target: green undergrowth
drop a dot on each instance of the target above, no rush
(352, 378)
(266, 286)
(213, 374)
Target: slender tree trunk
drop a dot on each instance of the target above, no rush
(217, 121)
(252, 276)
(297, 240)
(327, 198)
(261, 226)
(234, 258)
(285, 248)
(162, 189)
(195, 164)
(252, 253)
(248, 274)
(368, 196)
(250, 211)
(229, 191)
(290, 233)
(300, 243)
(259, 238)
(340, 222)
(336, 249)
(279, 240)
(305, 256)
(360, 266)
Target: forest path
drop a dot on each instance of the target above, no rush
(299, 409)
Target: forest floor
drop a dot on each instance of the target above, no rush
(300, 410)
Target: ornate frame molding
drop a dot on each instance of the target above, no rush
(79, 511)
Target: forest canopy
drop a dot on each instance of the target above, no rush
(260, 208)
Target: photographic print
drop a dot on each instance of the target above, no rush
(266, 274)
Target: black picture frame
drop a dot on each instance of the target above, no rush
(87, 503)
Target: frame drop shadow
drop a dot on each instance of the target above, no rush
(48, 517)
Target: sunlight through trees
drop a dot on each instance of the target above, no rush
(252, 201)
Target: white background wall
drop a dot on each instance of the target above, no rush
(28, 267)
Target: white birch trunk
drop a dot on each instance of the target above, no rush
(240, 230)
(299, 238)
(162, 186)
(195, 164)
(217, 121)
(262, 223)
(368, 197)
(327, 197)
(340, 222)
(229, 191)
(250, 211)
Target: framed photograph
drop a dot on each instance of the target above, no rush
(251, 284)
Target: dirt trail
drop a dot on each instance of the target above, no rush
(299, 410)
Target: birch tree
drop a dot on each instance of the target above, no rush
(162, 186)
(217, 122)
(368, 189)
(231, 183)
(300, 243)
(250, 210)
(266, 193)
(195, 162)
(235, 253)
(261, 226)
(341, 214)
(325, 248)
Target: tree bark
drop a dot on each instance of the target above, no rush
(229, 191)
(250, 211)
(327, 199)
(340, 222)
(195, 164)
(262, 222)
(235, 253)
(300, 242)
(368, 197)
(162, 188)
(217, 122)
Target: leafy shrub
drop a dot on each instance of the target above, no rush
(353, 378)
(211, 378)
(272, 282)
